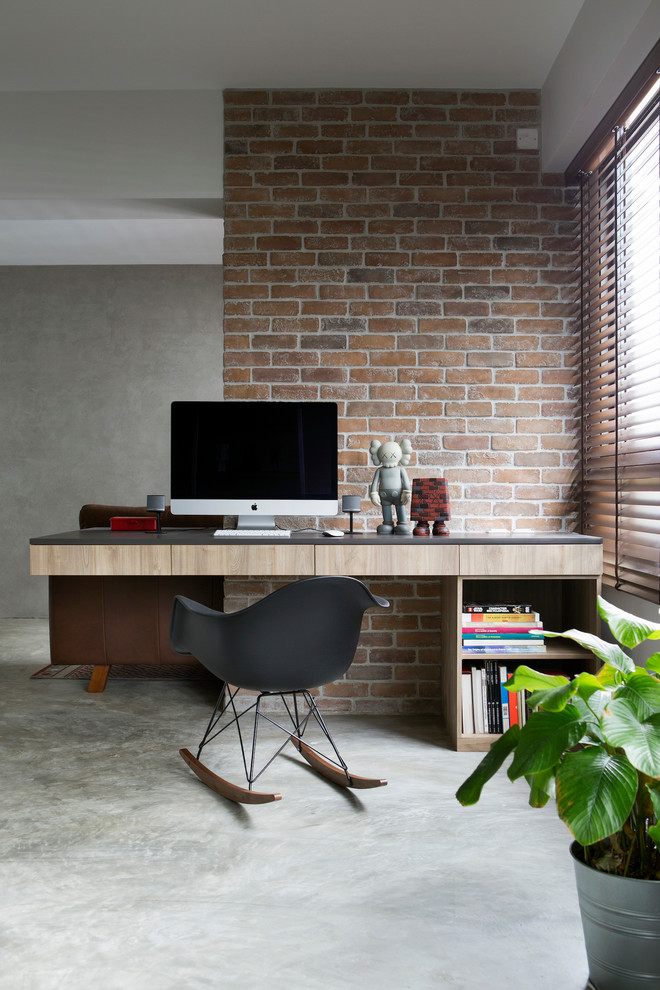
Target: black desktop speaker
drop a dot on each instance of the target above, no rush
(156, 503)
(351, 504)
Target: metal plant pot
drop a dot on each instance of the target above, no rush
(621, 922)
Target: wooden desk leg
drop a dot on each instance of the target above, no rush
(99, 677)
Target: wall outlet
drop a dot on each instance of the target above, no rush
(527, 138)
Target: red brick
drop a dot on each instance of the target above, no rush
(387, 96)
(423, 113)
(291, 291)
(373, 255)
(246, 97)
(293, 97)
(318, 308)
(292, 258)
(440, 97)
(295, 130)
(279, 243)
(524, 98)
(381, 113)
(268, 178)
(325, 113)
(328, 96)
(273, 308)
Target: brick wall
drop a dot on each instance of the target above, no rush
(395, 252)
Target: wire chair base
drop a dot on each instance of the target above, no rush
(334, 769)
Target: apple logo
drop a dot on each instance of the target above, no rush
(254, 506)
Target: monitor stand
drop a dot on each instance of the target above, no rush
(256, 522)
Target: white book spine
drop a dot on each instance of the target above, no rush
(477, 700)
(466, 700)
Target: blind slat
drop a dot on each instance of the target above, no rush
(620, 315)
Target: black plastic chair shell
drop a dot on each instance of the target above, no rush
(299, 637)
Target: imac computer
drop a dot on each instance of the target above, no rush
(254, 460)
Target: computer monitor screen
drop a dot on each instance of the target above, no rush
(254, 459)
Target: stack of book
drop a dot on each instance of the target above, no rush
(486, 704)
(501, 629)
(494, 631)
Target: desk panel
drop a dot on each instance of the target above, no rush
(563, 560)
(386, 559)
(264, 560)
(95, 560)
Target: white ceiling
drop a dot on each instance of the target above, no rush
(215, 44)
(141, 45)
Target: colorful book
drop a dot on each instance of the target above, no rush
(507, 637)
(513, 707)
(484, 698)
(494, 696)
(510, 629)
(524, 642)
(496, 608)
(504, 699)
(500, 617)
(505, 648)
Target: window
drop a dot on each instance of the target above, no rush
(620, 307)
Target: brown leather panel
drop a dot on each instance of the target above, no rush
(106, 620)
(131, 619)
(76, 620)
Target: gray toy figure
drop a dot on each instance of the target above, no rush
(391, 486)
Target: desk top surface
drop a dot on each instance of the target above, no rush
(201, 537)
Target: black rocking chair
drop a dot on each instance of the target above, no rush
(299, 637)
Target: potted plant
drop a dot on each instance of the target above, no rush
(593, 744)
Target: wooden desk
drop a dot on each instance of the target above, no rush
(565, 570)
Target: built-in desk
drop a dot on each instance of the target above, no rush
(565, 570)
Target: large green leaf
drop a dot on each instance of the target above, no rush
(642, 691)
(554, 699)
(654, 793)
(609, 653)
(595, 793)
(653, 663)
(591, 713)
(639, 738)
(587, 685)
(526, 679)
(627, 629)
(654, 830)
(543, 740)
(470, 790)
(541, 788)
(609, 678)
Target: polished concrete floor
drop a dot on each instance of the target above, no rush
(121, 871)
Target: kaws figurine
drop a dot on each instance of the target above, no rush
(391, 486)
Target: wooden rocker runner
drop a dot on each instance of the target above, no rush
(300, 637)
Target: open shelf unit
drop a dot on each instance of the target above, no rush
(562, 602)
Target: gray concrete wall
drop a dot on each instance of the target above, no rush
(90, 359)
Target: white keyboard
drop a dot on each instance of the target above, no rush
(261, 533)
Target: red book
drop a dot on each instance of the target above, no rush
(513, 708)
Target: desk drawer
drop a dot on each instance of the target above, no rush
(58, 559)
(525, 560)
(264, 560)
(386, 559)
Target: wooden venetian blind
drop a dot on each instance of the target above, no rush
(620, 304)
